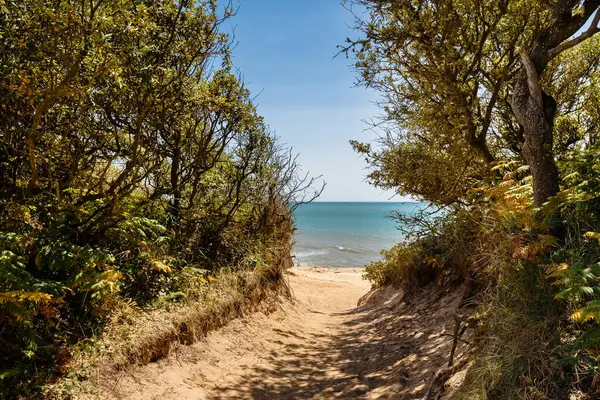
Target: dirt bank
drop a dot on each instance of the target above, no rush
(320, 346)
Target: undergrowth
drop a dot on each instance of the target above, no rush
(536, 333)
(136, 178)
(137, 337)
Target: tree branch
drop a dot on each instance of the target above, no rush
(533, 81)
(592, 30)
(490, 108)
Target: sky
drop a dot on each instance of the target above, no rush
(285, 52)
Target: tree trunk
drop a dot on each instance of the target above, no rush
(535, 110)
(539, 155)
(480, 145)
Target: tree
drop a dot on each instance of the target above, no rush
(533, 107)
(452, 78)
(132, 163)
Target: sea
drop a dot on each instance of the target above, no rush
(346, 234)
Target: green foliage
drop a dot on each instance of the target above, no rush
(394, 267)
(524, 339)
(457, 125)
(445, 72)
(579, 282)
(440, 253)
(132, 164)
(518, 328)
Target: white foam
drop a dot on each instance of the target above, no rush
(310, 253)
(349, 250)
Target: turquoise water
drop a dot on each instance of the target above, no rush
(345, 234)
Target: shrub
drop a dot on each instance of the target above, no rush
(133, 168)
(442, 252)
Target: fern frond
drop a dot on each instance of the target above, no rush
(591, 311)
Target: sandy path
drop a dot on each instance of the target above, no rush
(321, 346)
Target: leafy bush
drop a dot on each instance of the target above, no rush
(133, 167)
(441, 252)
(518, 328)
(457, 122)
(539, 308)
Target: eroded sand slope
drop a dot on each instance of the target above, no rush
(320, 346)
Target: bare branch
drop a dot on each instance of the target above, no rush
(591, 31)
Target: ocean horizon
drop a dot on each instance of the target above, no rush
(346, 234)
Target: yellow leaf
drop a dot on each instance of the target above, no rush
(20, 296)
(160, 266)
(592, 235)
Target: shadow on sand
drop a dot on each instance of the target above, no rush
(379, 352)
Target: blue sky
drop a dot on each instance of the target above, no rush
(285, 52)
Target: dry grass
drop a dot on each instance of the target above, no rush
(138, 337)
(518, 328)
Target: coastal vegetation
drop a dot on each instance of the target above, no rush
(142, 197)
(489, 112)
(145, 202)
